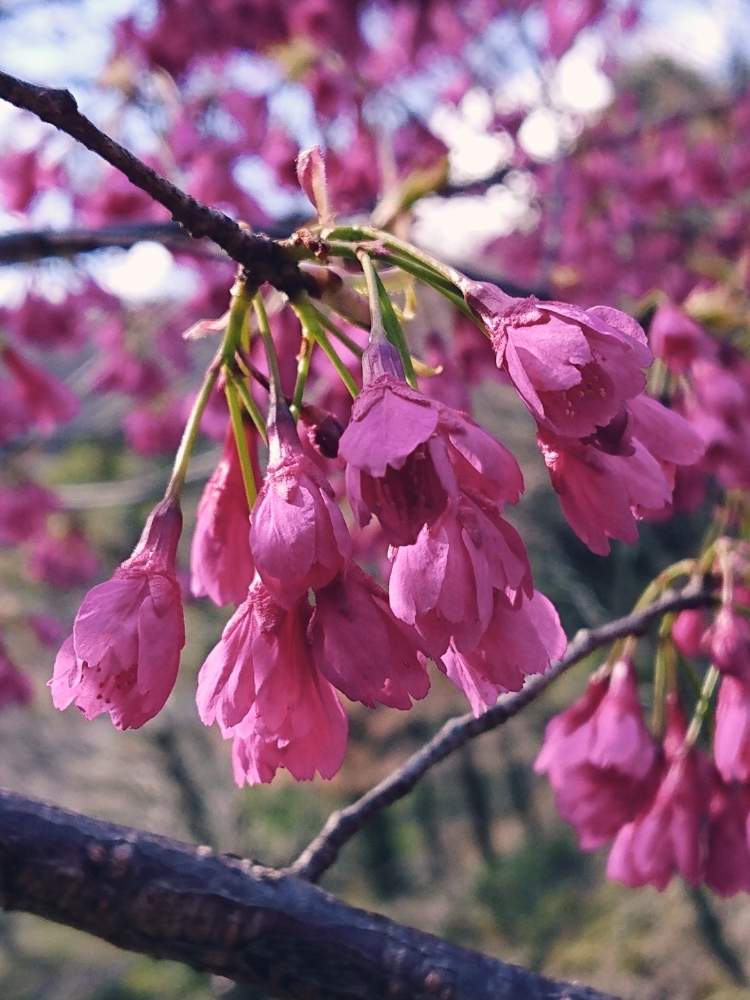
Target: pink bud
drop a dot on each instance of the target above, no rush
(311, 173)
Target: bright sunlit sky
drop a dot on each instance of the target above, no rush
(65, 43)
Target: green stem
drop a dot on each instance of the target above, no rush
(303, 370)
(277, 392)
(240, 439)
(309, 319)
(696, 723)
(190, 433)
(338, 333)
(384, 317)
(251, 406)
(236, 324)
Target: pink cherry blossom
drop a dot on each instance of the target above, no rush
(298, 535)
(676, 338)
(407, 455)
(62, 559)
(600, 758)
(46, 401)
(124, 652)
(517, 643)
(221, 563)
(731, 743)
(727, 641)
(361, 647)
(727, 863)
(573, 368)
(261, 686)
(24, 508)
(667, 836)
(444, 584)
(15, 687)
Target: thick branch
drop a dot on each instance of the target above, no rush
(263, 259)
(252, 924)
(343, 824)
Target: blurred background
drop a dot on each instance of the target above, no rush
(590, 151)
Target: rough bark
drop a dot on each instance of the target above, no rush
(166, 899)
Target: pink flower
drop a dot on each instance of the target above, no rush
(154, 431)
(667, 835)
(676, 338)
(565, 19)
(517, 643)
(444, 584)
(46, 400)
(727, 863)
(407, 455)
(361, 647)
(63, 559)
(600, 758)
(727, 641)
(124, 652)
(220, 559)
(298, 536)
(732, 733)
(15, 687)
(261, 686)
(23, 511)
(574, 368)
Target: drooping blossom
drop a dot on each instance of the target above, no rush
(47, 402)
(517, 643)
(24, 508)
(124, 652)
(688, 629)
(676, 338)
(727, 861)
(600, 758)
(298, 535)
(361, 647)
(262, 688)
(573, 368)
(15, 687)
(667, 836)
(221, 563)
(444, 584)
(731, 743)
(407, 455)
(62, 558)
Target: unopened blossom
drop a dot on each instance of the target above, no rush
(444, 584)
(221, 564)
(731, 743)
(518, 642)
(361, 647)
(688, 629)
(727, 641)
(676, 338)
(298, 535)
(667, 836)
(124, 652)
(261, 686)
(600, 758)
(408, 455)
(47, 402)
(573, 368)
(15, 687)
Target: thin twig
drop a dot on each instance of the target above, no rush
(263, 259)
(343, 824)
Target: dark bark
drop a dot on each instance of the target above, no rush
(165, 899)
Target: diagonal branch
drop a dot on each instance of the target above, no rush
(263, 259)
(343, 824)
(234, 918)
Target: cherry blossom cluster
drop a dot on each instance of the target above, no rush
(671, 800)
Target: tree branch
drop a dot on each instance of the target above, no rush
(263, 259)
(234, 918)
(343, 824)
